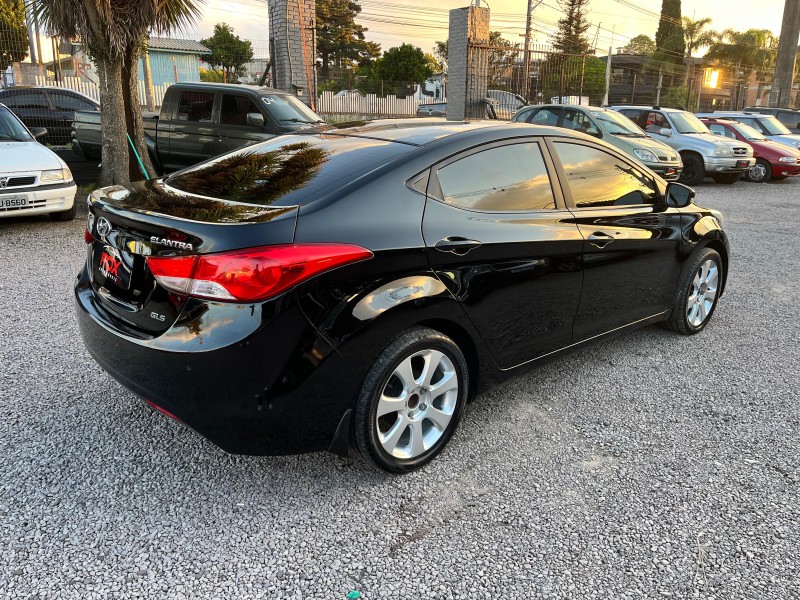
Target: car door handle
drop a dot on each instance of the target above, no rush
(599, 239)
(456, 245)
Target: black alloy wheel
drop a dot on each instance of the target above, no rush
(693, 170)
(411, 401)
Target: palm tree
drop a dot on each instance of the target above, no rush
(746, 51)
(696, 35)
(114, 33)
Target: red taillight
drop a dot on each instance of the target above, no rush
(252, 274)
(163, 411)
(87, 237)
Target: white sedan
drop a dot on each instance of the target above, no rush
(33, 180)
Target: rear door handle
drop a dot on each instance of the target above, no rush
(599, 239)
(456, 245)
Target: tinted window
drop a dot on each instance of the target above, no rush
(29, 100)
(510, 177)
(234, 109)
(655, 122)
(196, 106)
(635, 116)
(598, 179)
(65, 101)
(292, 169)
(545, 116)
(789, 119)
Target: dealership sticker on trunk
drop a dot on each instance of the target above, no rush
(113, 269)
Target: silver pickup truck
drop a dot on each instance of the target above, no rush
(703, 153)
(201, 120)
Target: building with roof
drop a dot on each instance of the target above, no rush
(173, 60)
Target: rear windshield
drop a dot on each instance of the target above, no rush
(290, 170)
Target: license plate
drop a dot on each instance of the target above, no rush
(112, 268)
(743, 163)
(13, 201)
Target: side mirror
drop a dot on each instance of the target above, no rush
(679, 195)
(255, 119)
(798, 126)
(38, 133)
(666, 132)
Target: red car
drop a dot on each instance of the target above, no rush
(773, 160)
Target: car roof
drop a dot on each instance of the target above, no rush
(234, 87)
(423, 131)
(644, 107)
(582, 106)
(730, 113)
(722, 120)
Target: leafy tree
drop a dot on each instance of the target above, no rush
(695, 34)
(340, 40)
(571, 35)
(210, 76)
(440, 53)
(114, 32)
(746, 51)
(670, 45)
(13, 33)
(641, 44)
(501, 60)
(404, 63)
(229, 53)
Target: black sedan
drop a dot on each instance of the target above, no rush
(360, 286)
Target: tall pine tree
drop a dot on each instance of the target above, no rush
(670, 44)
(571, 35)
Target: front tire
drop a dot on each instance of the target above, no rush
(65, 215)
(700, 287)
(759, 172)
(411, 401)
(693, 170)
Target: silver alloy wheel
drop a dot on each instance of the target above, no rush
(703, 294)
(416, 404)
(758, 172)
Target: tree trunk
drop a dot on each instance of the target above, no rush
(115, 145)
(133, 117)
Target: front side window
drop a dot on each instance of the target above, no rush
(234, 109)
(512, 177)
(599, 179)
(68, 102)
(655, 122)
(196, 106)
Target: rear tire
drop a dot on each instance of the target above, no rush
(65, 215)
(727, 178)
(411, 401)
(699, 292)
(693, 170)
(759, 172)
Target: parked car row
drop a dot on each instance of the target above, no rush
(677, 144)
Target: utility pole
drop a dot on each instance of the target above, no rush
(528, 50)
(608, 67)
(658, 88)
(781, 94)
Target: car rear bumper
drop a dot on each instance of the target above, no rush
(253, 379)
(729, 165)
(41, 200)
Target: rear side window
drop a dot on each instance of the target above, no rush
(598, 179)
(234, 109)
(196, 106)
(545, 116)
(512, 177)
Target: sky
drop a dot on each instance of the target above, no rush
(422, 22)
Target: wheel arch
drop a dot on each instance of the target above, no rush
(466, 344)
(719, 246)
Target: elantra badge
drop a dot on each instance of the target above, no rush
(171, 243)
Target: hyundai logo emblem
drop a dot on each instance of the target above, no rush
(103, 227)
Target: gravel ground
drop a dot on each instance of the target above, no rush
(652, 465)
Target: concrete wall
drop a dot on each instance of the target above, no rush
(467, 65)
(290, 33)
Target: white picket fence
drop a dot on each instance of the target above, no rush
(91, 89)
(369, 105)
